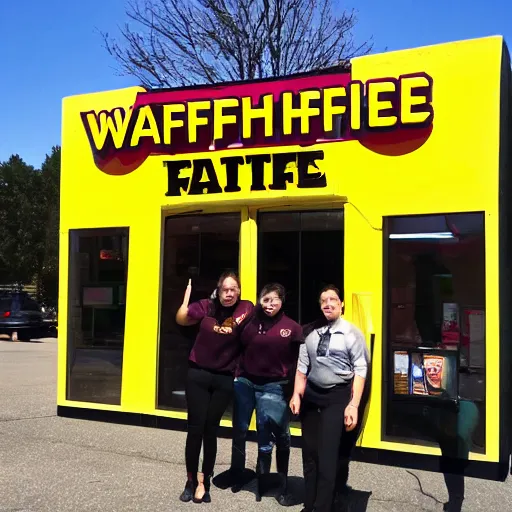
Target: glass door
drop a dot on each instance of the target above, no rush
(200, 248)
(304, 252)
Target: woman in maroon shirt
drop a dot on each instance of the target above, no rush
(212, 363)
(271, 343)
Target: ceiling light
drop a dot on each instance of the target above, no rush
(420, 236)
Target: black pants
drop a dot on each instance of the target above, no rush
(208, 395)
(323, 432)
(349, 439)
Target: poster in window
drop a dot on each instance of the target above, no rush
(476, 321)
(417, 383)
(434, 374)
(401, 373)
(98, 296)
(451, 324)
(424, 373)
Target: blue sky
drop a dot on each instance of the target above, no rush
(52, 49)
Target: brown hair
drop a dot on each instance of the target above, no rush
(215, 306)
(225, 275)
(273, 287)
(333, 288)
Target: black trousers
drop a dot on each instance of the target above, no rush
(323, 432)
(208, 395)
(349, 439)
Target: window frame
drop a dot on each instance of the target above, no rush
(74, 236)
(387, 346)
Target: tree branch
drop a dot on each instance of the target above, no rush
(179, 42)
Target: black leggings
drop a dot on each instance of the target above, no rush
(323, 432)
(208, 395)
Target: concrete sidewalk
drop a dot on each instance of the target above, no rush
(56, 464)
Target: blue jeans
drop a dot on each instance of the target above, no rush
(272, 418)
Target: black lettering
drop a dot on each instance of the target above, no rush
(197, 186)
(257, 163)
(279, 174)
(310, 179)
(174, 183)
(232, 163)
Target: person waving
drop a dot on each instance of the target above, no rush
(212, 362)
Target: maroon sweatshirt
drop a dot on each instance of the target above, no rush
(270, 347)
(211, 350)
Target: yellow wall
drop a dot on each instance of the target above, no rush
(456, 170)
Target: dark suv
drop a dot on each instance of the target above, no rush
(20, 314)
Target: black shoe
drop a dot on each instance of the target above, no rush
(207, 484)
(188, 492)
(282, 462)
(454, 505)
(206, 498)
(262, 469)
(341, 495)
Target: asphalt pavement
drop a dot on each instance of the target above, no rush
(57, 464)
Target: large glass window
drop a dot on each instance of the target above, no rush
(200, 248)
(435, 300)
(98, 269)
(304, 252)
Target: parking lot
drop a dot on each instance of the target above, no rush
(55, 464)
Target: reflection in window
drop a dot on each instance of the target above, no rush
(197, 247)
(304, 252)
(29, 304)
(98, 268)
(436, 331)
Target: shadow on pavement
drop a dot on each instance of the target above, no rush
(354, 501)
(7, 340)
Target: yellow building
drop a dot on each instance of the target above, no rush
(389, 178)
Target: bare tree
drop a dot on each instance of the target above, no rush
(183, 42)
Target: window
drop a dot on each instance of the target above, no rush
(98, 269)
(29, 304)
(435, 298)
(5, 304)
(200, 248)
(304, 252)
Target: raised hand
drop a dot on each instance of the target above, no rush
(188, 290)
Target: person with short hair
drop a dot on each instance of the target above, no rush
(329, 384)
(271, 342)
(212, 363)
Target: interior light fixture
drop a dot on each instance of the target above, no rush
(421, 236)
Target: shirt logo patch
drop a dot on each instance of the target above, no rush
(239, 319)
(285, 333)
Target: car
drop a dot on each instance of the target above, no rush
(49, 319)
(21, 316)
